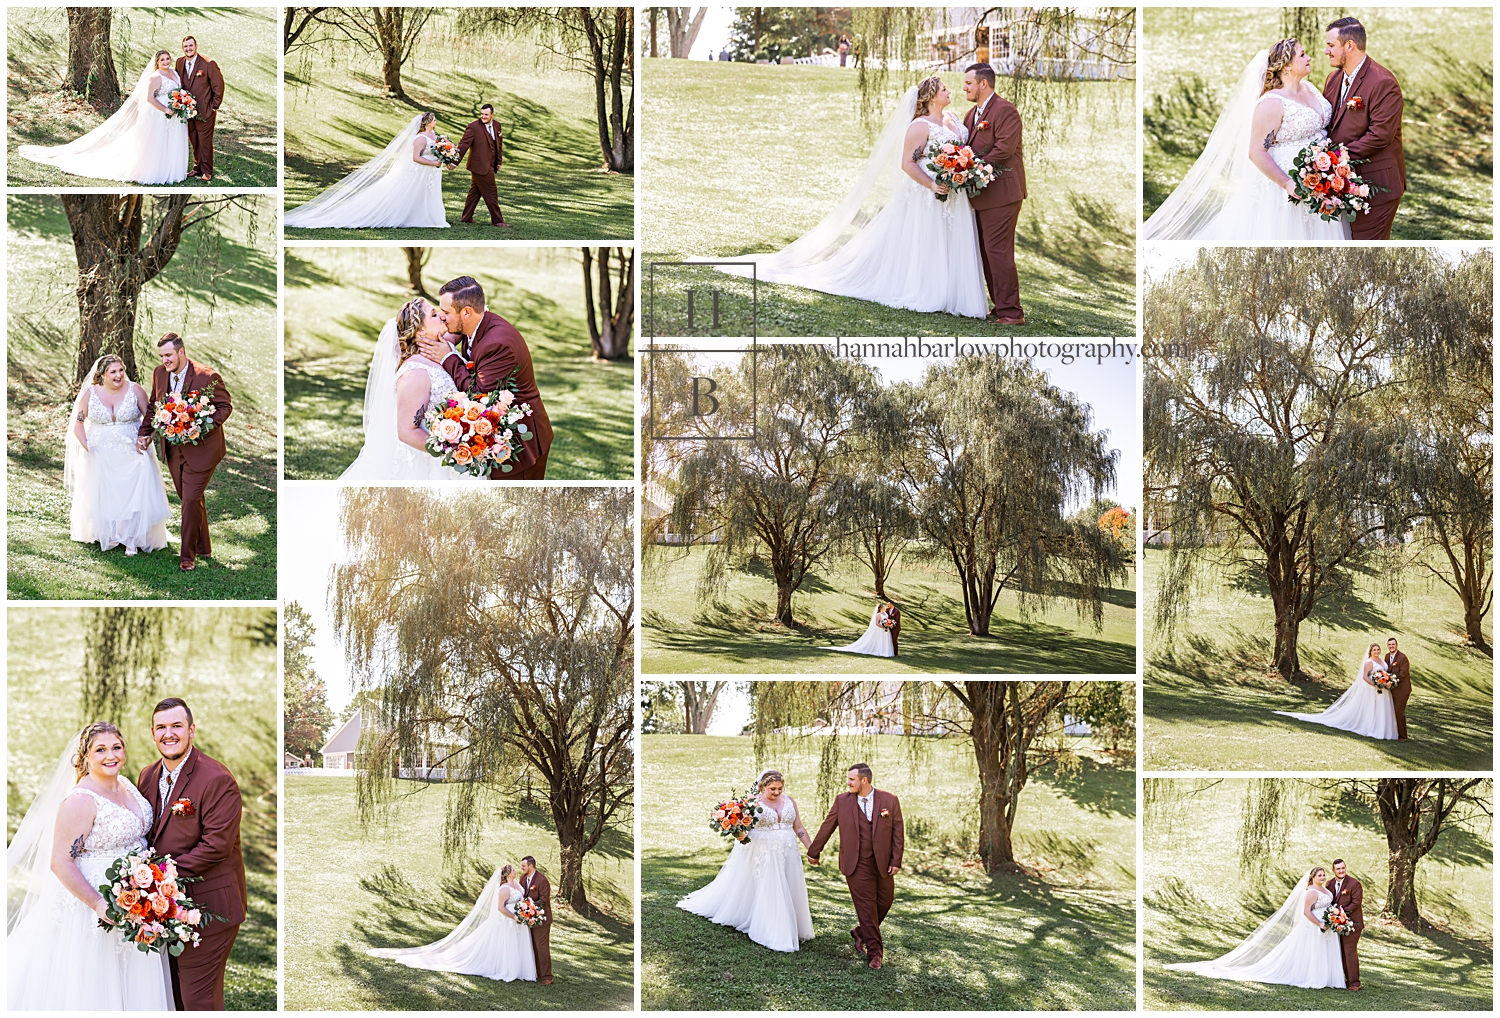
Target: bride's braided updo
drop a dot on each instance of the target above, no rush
(156, 60)
(1283, 53)
(427, 118)
(927, 90)
(408, 324)
(101, 366)
(86, 741)
(767, 778)
(1314, 872)
(506, 871)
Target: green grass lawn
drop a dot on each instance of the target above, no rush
(349, 889)
(232, 690)
(954, 939)
(43, 111)
(1441, 56)
(1190, 870)
(552, 185)
(737, 633)
(1209, 695)
(1075, 246)
(219, 293)
(337, 300)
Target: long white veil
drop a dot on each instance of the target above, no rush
(29, 881)
(1222, 167)
(876, 187)
(432, 955)
(101, 139)
(329, 208)
(76, 460)
(377, 458)
(1254, 948)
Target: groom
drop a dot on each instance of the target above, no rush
(872, 838)
(489, 352)
(994, 127)
(539, 890)
(200, 76)
(1349, 895)
(191, 466)
(196, 806)
(1399, 665)
(1367, 103)
(485, 144)
(894, 611)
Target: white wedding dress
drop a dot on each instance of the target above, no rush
(138, 143)
(58, 958)
(1286, 949)
(760, 890)
(384, 457)
(119, 496)
(391, 190)
(875, 641)
(1226, 198)
(890, 240)
(1364, 709)
(487, 943)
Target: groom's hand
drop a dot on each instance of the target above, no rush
(813, 859)
(433, 349)
(892, 871)
(142, 443)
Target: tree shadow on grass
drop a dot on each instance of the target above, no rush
(1099, 788)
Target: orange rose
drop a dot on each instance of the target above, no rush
(146, 936)
(472, 414)
(462, 455)
(127, 898)
(452, 413)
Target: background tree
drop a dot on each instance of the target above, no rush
(122, 242)
(1272, 439)
(770, 33)
(416, 260)
(682, 29)
(389, 34)
(91, 64)
(680, 708)
(299, 25)
(611, 326)
(993, 458)
(123, 652)
(523, 657)
(306, 718)
(882, 527)
(600, 41)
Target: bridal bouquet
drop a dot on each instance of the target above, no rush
(444, 151)
(181, 105)
(146, 904)
(1337, 920)
(958, 169)
(885, 621)
(475, 434)
(529, 913)
(1384, 681)
(734, 818)
(1326, 184)
(183, 418)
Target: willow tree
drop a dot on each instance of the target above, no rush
(881, 524)
(91, 64)
(993, 457)
(776, 493)
(390, 34)
(609, 301)
(1415, 812)
(123, 653)
(1273, 433)
(500, 625)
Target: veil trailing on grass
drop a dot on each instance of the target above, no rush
(1220, 170)
(108, 151)
(1254, 948)
(377, 457)
(29, 882)
(338, 205)
(432, 956)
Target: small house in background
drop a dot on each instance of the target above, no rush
(340, 750)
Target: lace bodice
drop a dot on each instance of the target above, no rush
(1323, 900)
(116, 829)
(128, 412)
(442, 382)
(778, 819)
(1300, 124)
(951, 130)
(165, 87)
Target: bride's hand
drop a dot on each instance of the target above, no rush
(939, 188)
(101, 909)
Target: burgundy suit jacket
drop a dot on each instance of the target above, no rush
(889, 831)
(998, 143)
(1399, 665)
(210, 449)
(497, 350)
(1373, 131)
(485, 156)
(540, 892)
(206, 842)
(206, 84)
(1351, 898)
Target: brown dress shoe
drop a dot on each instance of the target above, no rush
(875, 962)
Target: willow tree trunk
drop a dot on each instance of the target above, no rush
(608, 33)
(91, 65)
(416, 261)
(389, 36)
(997, 777)
(611, 317)
(978, 585)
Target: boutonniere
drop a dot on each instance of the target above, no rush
(1354, 103)
(982, 125)
(885, 812)
(182, 808)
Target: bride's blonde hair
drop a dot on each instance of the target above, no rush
(1374, 651)
(408, 324)
(86, 742)
(506, 871)
(927, 89)
(156, 60)
(1313, 872)
(1283, 53)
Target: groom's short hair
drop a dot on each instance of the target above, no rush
(187, 39)
(863, 770)
(170, 703)
(984, 72)
(466, 291)
(1350, 30)
(487, 106)
(529, 861)
(1338, 862)
(170, 337)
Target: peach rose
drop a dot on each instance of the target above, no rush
(141, 876)
(472, 414)
(127, 898)
(1323, 160)
(448, 431)
(483, 427)
(169, 888)
(507, 398)
(462, 455)
(146, 936)
(161, 904)
(192, 917)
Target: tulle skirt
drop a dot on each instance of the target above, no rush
(59, 960)
(411, 194)
(875, 641)
(119, 496)
(1308, 957)
(1362, 709)
(499, 949)
(760, 891)
(154, 152)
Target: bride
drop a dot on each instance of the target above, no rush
(1292, 948)
(490, 941)
(917, 252)
(401, 386)
(141, 142)
(402, 186)
(760, 890)
(1238, 189)
(1364, 709)
(876, 640)
(86, 816)
(118, 494)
